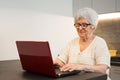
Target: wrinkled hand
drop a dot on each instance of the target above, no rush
(58, 62)
(71, 67)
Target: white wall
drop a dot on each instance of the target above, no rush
(34, 20)
(59, 7)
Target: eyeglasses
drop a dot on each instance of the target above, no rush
(83, 25)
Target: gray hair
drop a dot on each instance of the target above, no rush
(89, 14)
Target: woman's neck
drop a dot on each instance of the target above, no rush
(87, 38)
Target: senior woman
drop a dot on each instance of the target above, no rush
(87, 52)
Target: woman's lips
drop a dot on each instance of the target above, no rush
(82, 31)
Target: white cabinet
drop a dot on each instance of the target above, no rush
(118, 5)
(80, 4)
(104, 6)
(101, 6)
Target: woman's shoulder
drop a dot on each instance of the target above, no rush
(74, 41)
(99, 40)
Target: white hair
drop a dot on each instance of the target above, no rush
(89, 14)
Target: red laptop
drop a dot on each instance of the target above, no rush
(35, 56)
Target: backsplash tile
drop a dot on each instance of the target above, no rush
(109, 29)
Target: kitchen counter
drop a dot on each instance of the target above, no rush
(115, 73)
(115, 61)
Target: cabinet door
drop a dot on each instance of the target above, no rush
(104, 6)
(118, 5)
(77, 4)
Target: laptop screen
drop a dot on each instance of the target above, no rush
(36, 56)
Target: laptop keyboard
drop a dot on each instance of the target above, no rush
(65, 73)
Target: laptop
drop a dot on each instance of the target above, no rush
(35, 56)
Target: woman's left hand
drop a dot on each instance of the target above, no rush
(71, 67)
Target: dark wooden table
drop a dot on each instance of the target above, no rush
(12, 70)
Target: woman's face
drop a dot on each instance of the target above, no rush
(84, 28)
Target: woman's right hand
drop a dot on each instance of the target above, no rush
(58, 62)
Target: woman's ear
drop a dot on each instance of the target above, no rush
(92, 27)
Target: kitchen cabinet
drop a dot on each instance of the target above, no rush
(104, 6)
(101, 6)
(118, 5)
(80, 4)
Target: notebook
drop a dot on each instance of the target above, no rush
(35, 56)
